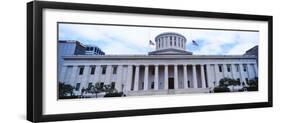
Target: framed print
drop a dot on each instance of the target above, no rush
(95, 61)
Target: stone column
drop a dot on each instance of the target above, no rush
(248, 71)
(166, 76)
(62, 74)
(97, 74)
(136, 81)
(256, 70)
(185, 84)
(108, 74)
(224, 70)
(163, 40)
(233, 71)
(166, 42)
(129, 77)
(85, 76)
(176, 79)
(158, 44)
(242, 79)
(156, 77)
(209, 80)
(181, 44)
(194, 76)
(203, 77)
(119, 76)
(145, 78)
(216, 69)
(184, 46)
(73, 76)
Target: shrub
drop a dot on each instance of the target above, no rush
(228, 82)
(114, 94)
(221, 89)
(253, 85)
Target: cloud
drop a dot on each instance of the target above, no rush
(135, 40)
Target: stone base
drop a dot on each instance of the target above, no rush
(169, 91)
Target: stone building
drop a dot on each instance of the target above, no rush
(170, 69)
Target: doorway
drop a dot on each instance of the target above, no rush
(171, 83)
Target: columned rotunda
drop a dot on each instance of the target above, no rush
(170, 69)
(170, 43)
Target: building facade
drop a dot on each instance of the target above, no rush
(253, 51)
(73, 47)
(93, 50)
(167, 70)
(68, 47)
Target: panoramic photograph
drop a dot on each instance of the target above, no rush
(111, 60)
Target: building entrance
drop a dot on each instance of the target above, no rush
(171, 83)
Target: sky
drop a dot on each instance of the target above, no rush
(135, 40)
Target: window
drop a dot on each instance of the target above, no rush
(103, 70)
(171, 38)
(91, 48)
(171, 43)
(244, 67)
(90, 85)
(175, 43)
(93, 68)
(81, 69)
(77, 87)
(188, 84)
(114, 69)
(228, 68)
(220, 68)
(142, 85)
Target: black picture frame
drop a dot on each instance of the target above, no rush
(35, 69)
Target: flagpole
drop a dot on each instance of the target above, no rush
(149, 40)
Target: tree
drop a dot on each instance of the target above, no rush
(111, 91)
(110, 88)
(65, 90)
(95, 89)
(253, 84)
(224, 83)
